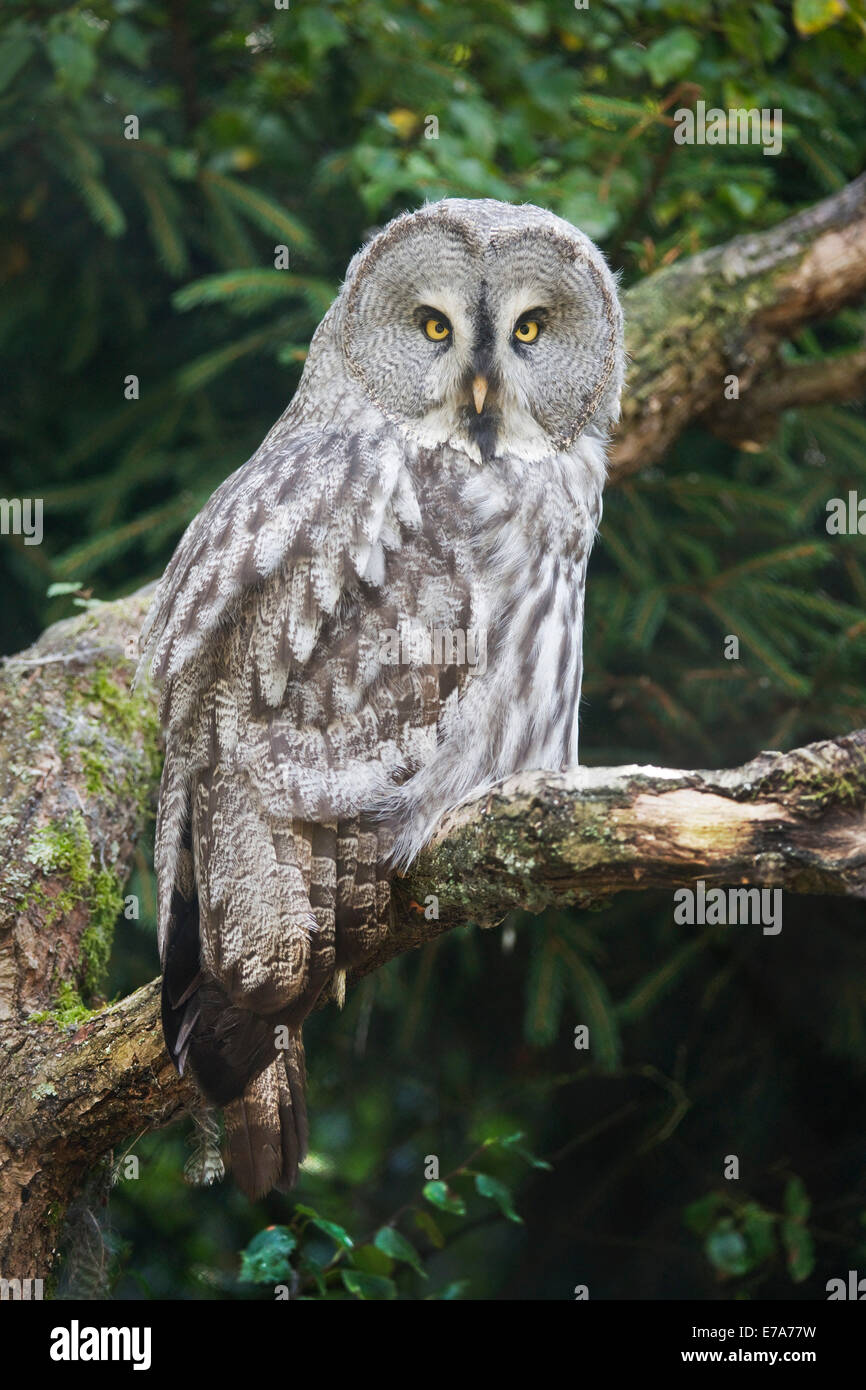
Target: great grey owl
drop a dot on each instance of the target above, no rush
(378, 614)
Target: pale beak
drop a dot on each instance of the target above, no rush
(480, 387)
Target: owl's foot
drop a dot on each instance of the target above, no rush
(338, 988)
(205, 1164)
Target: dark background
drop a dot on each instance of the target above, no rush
(305, 128)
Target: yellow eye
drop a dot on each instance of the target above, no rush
(527, 331)
(437, 329)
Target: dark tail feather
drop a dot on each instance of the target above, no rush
(267, 1126)
(236, 1062)
(181, 976)
(293, 1112)
(227, 1046)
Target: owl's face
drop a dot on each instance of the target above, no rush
(487, 326)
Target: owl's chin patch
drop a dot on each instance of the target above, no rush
(475, 436)
(483, 431)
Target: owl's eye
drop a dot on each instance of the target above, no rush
(437, 328)
(527, 331)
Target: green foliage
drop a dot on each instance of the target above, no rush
(388, 1264)
(296, 129)
(560, 971)
(439, 1195)
(741, 1237)
(266, 1258)
(69, 1010)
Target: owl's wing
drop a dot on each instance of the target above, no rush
(251, 584)
(310, 501)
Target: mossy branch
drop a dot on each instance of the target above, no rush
(75, 1082)
(724, 313)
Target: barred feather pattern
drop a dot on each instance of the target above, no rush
(301, 764)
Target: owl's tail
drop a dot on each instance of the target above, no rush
(250, 1064)
(267, 1127)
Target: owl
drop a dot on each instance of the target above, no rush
(379, 614)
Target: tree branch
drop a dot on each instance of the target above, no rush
(724, 312)
(752, 422)
(788, 820)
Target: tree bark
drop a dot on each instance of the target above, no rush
(724, 313)
(81, 755)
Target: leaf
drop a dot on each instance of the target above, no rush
(699, 1216)
(594, 1004)
(250, 289)
(488, 1186)
(772, 31)
(726, 1249)
(81, 164)
(811, 16)
(63, 587)
(424, 1221)
(439, 1194)
(480, 122)
(330, 1228)
(616, 109)
(310, 1268)
(796, 1202)
(404, 121)
(84, 558)
(74, 61)
(266, 1258)
(648, 617)
(653, 987)
(321, 30)
(741, 32)
(800, 1250)
(368, 1286)
(14, 53)
(759, 1228)
(399, 1248)
(103, 208)
(531, 19)
(130, 42)
(165, 219)
(586, 210)
(259, 208)
(672, 55)
(513, 1142)
(201, 370)
(744, 198)
(751, 637)
(545, 990)
(450, 1292)
(371, 1260)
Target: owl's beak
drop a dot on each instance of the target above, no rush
(480, 387)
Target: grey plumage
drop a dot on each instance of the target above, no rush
(300, 762)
